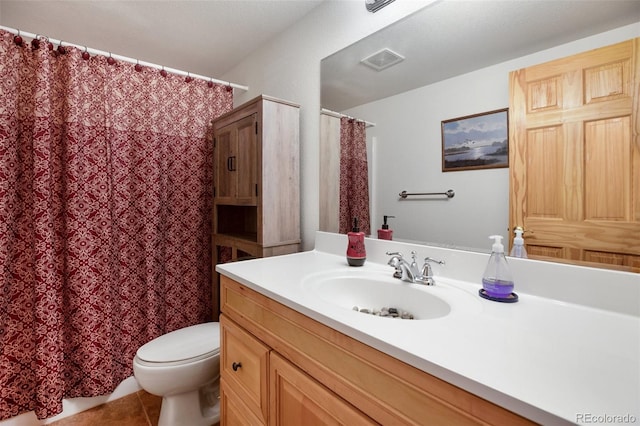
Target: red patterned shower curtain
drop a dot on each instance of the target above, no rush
(105, 177)
(354, 176)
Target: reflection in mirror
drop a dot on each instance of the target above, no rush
(457, 59)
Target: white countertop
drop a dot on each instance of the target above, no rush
(552, 361)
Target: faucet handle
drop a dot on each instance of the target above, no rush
(427, 273)
(394, 261)
(431, 259)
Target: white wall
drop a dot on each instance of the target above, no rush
(408, 152)
(289, 68)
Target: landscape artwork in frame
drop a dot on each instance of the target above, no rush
(479, 141)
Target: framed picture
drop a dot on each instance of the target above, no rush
(479, 141)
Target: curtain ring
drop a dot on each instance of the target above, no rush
(35, 43)
(138, 67)
(188, 78)
(85, 55)
(61, 48)
(229, 88)
(163, 72)
(210, 83)
(17, 39)
(110, 59)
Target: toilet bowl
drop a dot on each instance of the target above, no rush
(183, 367)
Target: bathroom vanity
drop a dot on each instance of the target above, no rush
(281, 364)
(294, 354)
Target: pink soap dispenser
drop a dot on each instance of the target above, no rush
(356, 252)
(384, 233)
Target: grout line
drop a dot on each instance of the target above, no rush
(144, 409)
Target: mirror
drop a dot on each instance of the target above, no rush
(457, 59)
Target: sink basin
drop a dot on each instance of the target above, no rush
(374, 290)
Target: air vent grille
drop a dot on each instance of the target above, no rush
(382, 59)
(375, 5)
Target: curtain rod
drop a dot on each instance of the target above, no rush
(124, 58)
(328, 111)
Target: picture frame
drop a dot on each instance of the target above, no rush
(478, 141)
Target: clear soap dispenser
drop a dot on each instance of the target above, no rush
(497, 281)
(518, 249)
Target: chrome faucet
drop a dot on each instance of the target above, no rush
(404, 270)
(409, 271)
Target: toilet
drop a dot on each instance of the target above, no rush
(183, 367)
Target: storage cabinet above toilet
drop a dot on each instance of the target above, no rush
(256, 185)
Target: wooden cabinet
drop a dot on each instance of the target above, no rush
(256, 193)
(318, 375)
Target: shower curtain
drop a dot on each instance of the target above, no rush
(354, 176)
(105, 206)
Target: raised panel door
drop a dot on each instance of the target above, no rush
(236, 162)
(574, 159)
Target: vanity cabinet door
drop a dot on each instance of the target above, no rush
(244, 368)
(234, 412)
(297, 399)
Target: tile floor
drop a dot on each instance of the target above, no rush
(136, 409)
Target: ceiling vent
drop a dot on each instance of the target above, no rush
(375, 5)
(382, 59)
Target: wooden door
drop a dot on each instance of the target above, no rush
(575, 157)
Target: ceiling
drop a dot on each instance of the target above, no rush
(211, 37)
(450, 38)
(205, 37)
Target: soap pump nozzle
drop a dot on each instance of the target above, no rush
(384, 221)
(497, 246)
(355, 228)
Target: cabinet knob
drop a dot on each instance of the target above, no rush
(236, 366)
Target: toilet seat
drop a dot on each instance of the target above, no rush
(182, 346)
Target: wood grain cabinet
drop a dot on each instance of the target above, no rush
(301, 372)
(256, 182)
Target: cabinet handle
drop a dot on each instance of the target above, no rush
(236, 366)
(231, 163)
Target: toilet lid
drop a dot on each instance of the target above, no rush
(183, 344)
